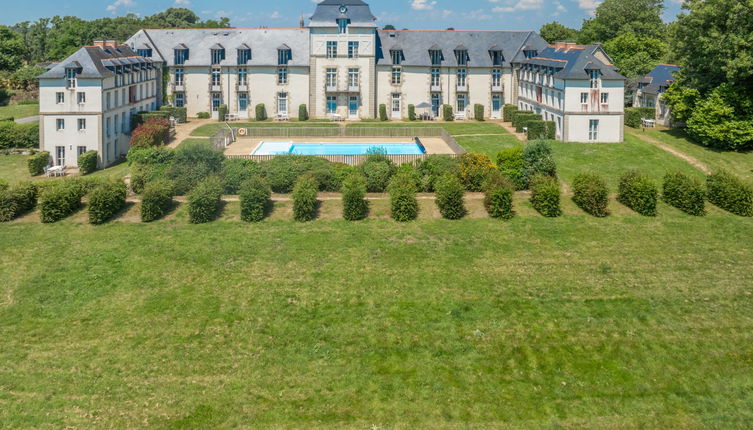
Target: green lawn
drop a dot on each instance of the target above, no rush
(489, 145)
(454, 128)
(739, 163)
(19, 111)
(13, 168)
(210, 129)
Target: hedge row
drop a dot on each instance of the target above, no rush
(540, 129)
(37, 162)
(519, 114)
(633, 115)
(684, 193)
(105, 201)
(498, 198)
(508, 111)
(153, 132)
(730, 193)
(87, 162)
(450, 193)
(179, 113)
(512, 165)
(255, 196)
(305, 205)
(156, 200)
(590, 193)
(403, 203)
(17, 201)
(60, 200)
(355, 206)
(14, 135)
(545, 195)
(143, 117)
(638, 192)
(205, 201)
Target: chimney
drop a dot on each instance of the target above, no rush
(106, 43)
(564, 46)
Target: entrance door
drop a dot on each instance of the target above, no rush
(353, 104)
(436, 103)
(496, 106)
(396, 106)
(60, 155)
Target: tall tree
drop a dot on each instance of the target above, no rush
(12, 49)
(614, 17)
(635, 55)
(554, 31)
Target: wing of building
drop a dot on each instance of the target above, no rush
(651, 88)
(342, 66)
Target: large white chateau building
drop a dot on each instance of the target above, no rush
(341, 63)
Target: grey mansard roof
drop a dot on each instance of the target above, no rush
(574, 61)
(328, 12)
(92, 62)
(416, 45)
(262, 42)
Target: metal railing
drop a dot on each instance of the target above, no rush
(351, 160)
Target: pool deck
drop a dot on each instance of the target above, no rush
(247, 146)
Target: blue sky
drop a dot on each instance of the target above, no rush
(413, 14)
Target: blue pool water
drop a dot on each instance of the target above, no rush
(281, 148)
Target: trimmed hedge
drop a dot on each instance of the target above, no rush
(590, 193)
(203, 115)
(305, 205)
(730, 193)
(37, 162)
(17, 201)
(282, 172)
(539, 159)
(498, 198)
(403, 203)
(222, 113)
(143, 117)
(383, 112)
(684, 193)
(522, 121)
(518, 114)
(633, 115)
(638, 192)
(153, 132)
(105, 201)
(540, 129)
(434, 166)
(205, 201)
(475, 171)
(256, 200)
(235, 172)
(447, 114)
(508, 111)
(60, 200)
(179, 113)
(261, 112)
(512, 165)
(303, 113)
(478, 112)
(378, 169)
(355, 206)
(450, 195)
(156, 200)
(545, 195)
(411, 112)
(192, 163)
(8, 206)
(14, 135)
(87, 162)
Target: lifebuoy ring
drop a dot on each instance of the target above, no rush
(242, 132)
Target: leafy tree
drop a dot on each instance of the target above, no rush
(635, 55)
(723, 120)
(554, 31)
(11, 49)
(681, 101)
(25, 78)
(615, 17)
(389, 27)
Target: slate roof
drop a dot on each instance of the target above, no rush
(416, 45)
(262, 42)
(92, 62)
(661, 76)
(573, 62)
(327, 13)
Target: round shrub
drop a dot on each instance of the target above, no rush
(192, 163)
(87, 162)
(545, 195)
(378, 169)
(434, 166)
(38, 162)
(151, 155)
(341, 171)
(304, 198)
(355, 206)
(512, 166)
(203, 115)
(730, 193)
(447, 113)
(156, 200)
(638, 192)
(261, 112)
(684, 193)
(282, 172)
(475, 171)
(153, 132)
(255, 199)
(235, 172)
(205, 201)
(383, 112)
(222, 113)
(498, 198)
(403, 203)
(143, 174)
(60, 200)
(450, 193)
(303, 113)
(539, 160)
(105, 201)
(590, 193)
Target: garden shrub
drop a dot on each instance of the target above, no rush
(142, 117)
(383, 112)
(633, 115)
(205, 201)
(518, 114)
(16, 201)
(37, 162)
(8, 206)
(512, 165)
(403, 202)
(179, 113)
(261, 112)
(143, 174)
(447, 113)
(222, 113)
(498, 198)
(478, 112)
(151, 155)
(4, 184)
(282, 172)
(193, 162)
(522, 121)
(156, 200)
(305, 204)
(341, 171)
(355, 206)
(303, 113)
(508, 111)
(87, 162)
(411, 112)
(378, 169)
(730, 193)
(638, 192)
(545, 195)
(539, 159)
(540, 129)
(26, 196)
(256, 200)
(60, 200)
(203, 115)
(14, 135)
(153, 132)
(590, 193)
(105, 201)
(475, 171)
(235, 172)
(684, 193)
(434, 166)
(449, 194)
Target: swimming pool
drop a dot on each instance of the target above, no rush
(305, 148)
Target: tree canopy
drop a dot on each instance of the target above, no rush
(554, 31)
(615, 17)
(11, 49)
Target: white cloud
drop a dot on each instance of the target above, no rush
(275, 15)
(589, 5)
(558, 9)
(520, 5)
(446, 13)
(125, 3)
(182, 2)
(476, 15)
(423, 4)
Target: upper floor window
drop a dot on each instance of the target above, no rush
(216, 76)
(353, 75)
(244, 56)
(181, 55)
(594, 75)
(604, 98)
(342, 26)
(436, 57)
(331, 49)
(497, 77)
(179, 74)
(60, 98)
(497, 58)
(584, 98)
(353, 49)
(242, 76)
(530, 53)
(218, 54)
(396, 75)
(435, 77)
(145, 52)
(331, 77)
(284, 55)
(462, 77)
(462, 57)
(81, 124)
(282, 75)
(397, 56)
(70, 78)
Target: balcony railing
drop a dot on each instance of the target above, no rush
(179, 87)
(354, 88)
(242, 87)
(462, 88)
(331, 88)
(436, 88)
(497, 88)
(215, 87)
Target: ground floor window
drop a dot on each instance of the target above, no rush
(282, 103)
(180, 99)
(60, 155)
(462, 102)
(331, 104)
(593, 129)
(242, 102)
(216, 102)
(80, 150)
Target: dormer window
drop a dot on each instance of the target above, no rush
(145, 52)
(594, 75)
(218, 54)
(461, 56)
(497, 57)
(397, 56)
(181, 55)
(244, 56)
(284, 55)
(70, 77)
(342, 25)
(436, 57)
(530, 53)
